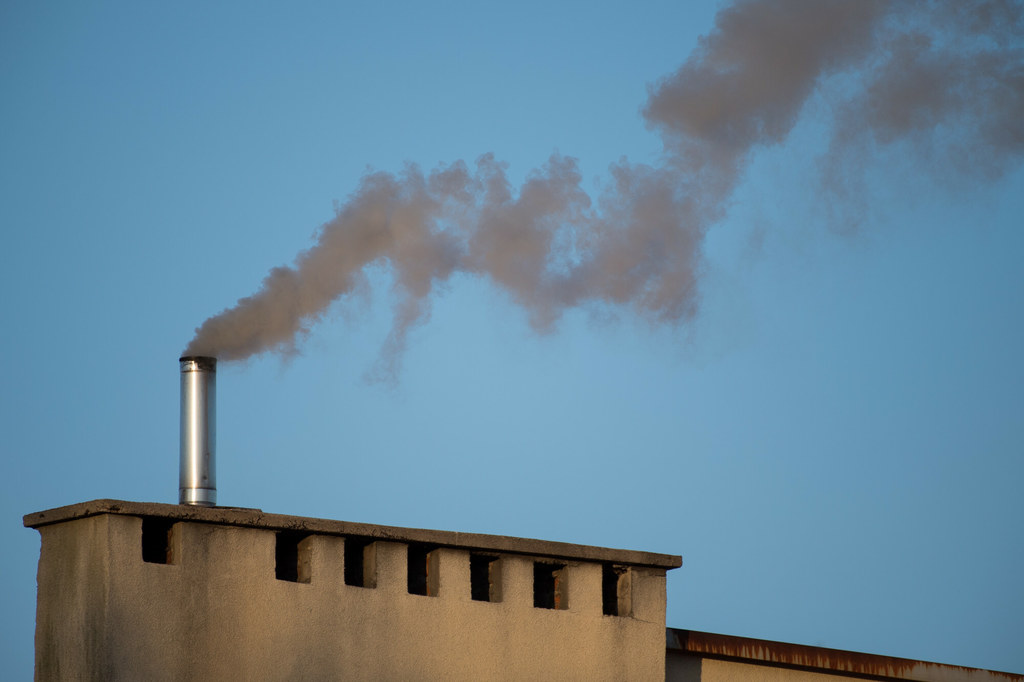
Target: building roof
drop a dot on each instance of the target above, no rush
(820, 659)
(255, 518)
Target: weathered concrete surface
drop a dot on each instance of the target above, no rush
(255, 518)
(218, 612)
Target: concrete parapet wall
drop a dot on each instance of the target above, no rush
(220, 610)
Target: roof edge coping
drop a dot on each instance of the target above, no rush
(256, 518)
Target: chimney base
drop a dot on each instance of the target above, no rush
(197, 497)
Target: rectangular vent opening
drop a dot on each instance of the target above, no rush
(615, 590)
(158, 540)
(485, 577)
(550, 589)
(360, 563)
(422, 565)
(292, 557)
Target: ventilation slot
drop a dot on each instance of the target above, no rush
(423, 570)
(292, 557)
(485, 577)
(549, 586)
(615, 590)
(158, 540)
(360, 563)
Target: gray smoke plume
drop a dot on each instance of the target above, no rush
(946, 78)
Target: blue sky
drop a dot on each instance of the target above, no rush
(833, 443)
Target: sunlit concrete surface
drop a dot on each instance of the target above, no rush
(238, 594)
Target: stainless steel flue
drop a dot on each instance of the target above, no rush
(197, 475)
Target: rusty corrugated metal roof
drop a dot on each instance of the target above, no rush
(821, 659)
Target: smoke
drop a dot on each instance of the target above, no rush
(946, 79)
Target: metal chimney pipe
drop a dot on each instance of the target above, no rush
(197, 475)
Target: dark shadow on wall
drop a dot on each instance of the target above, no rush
(680, 667)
